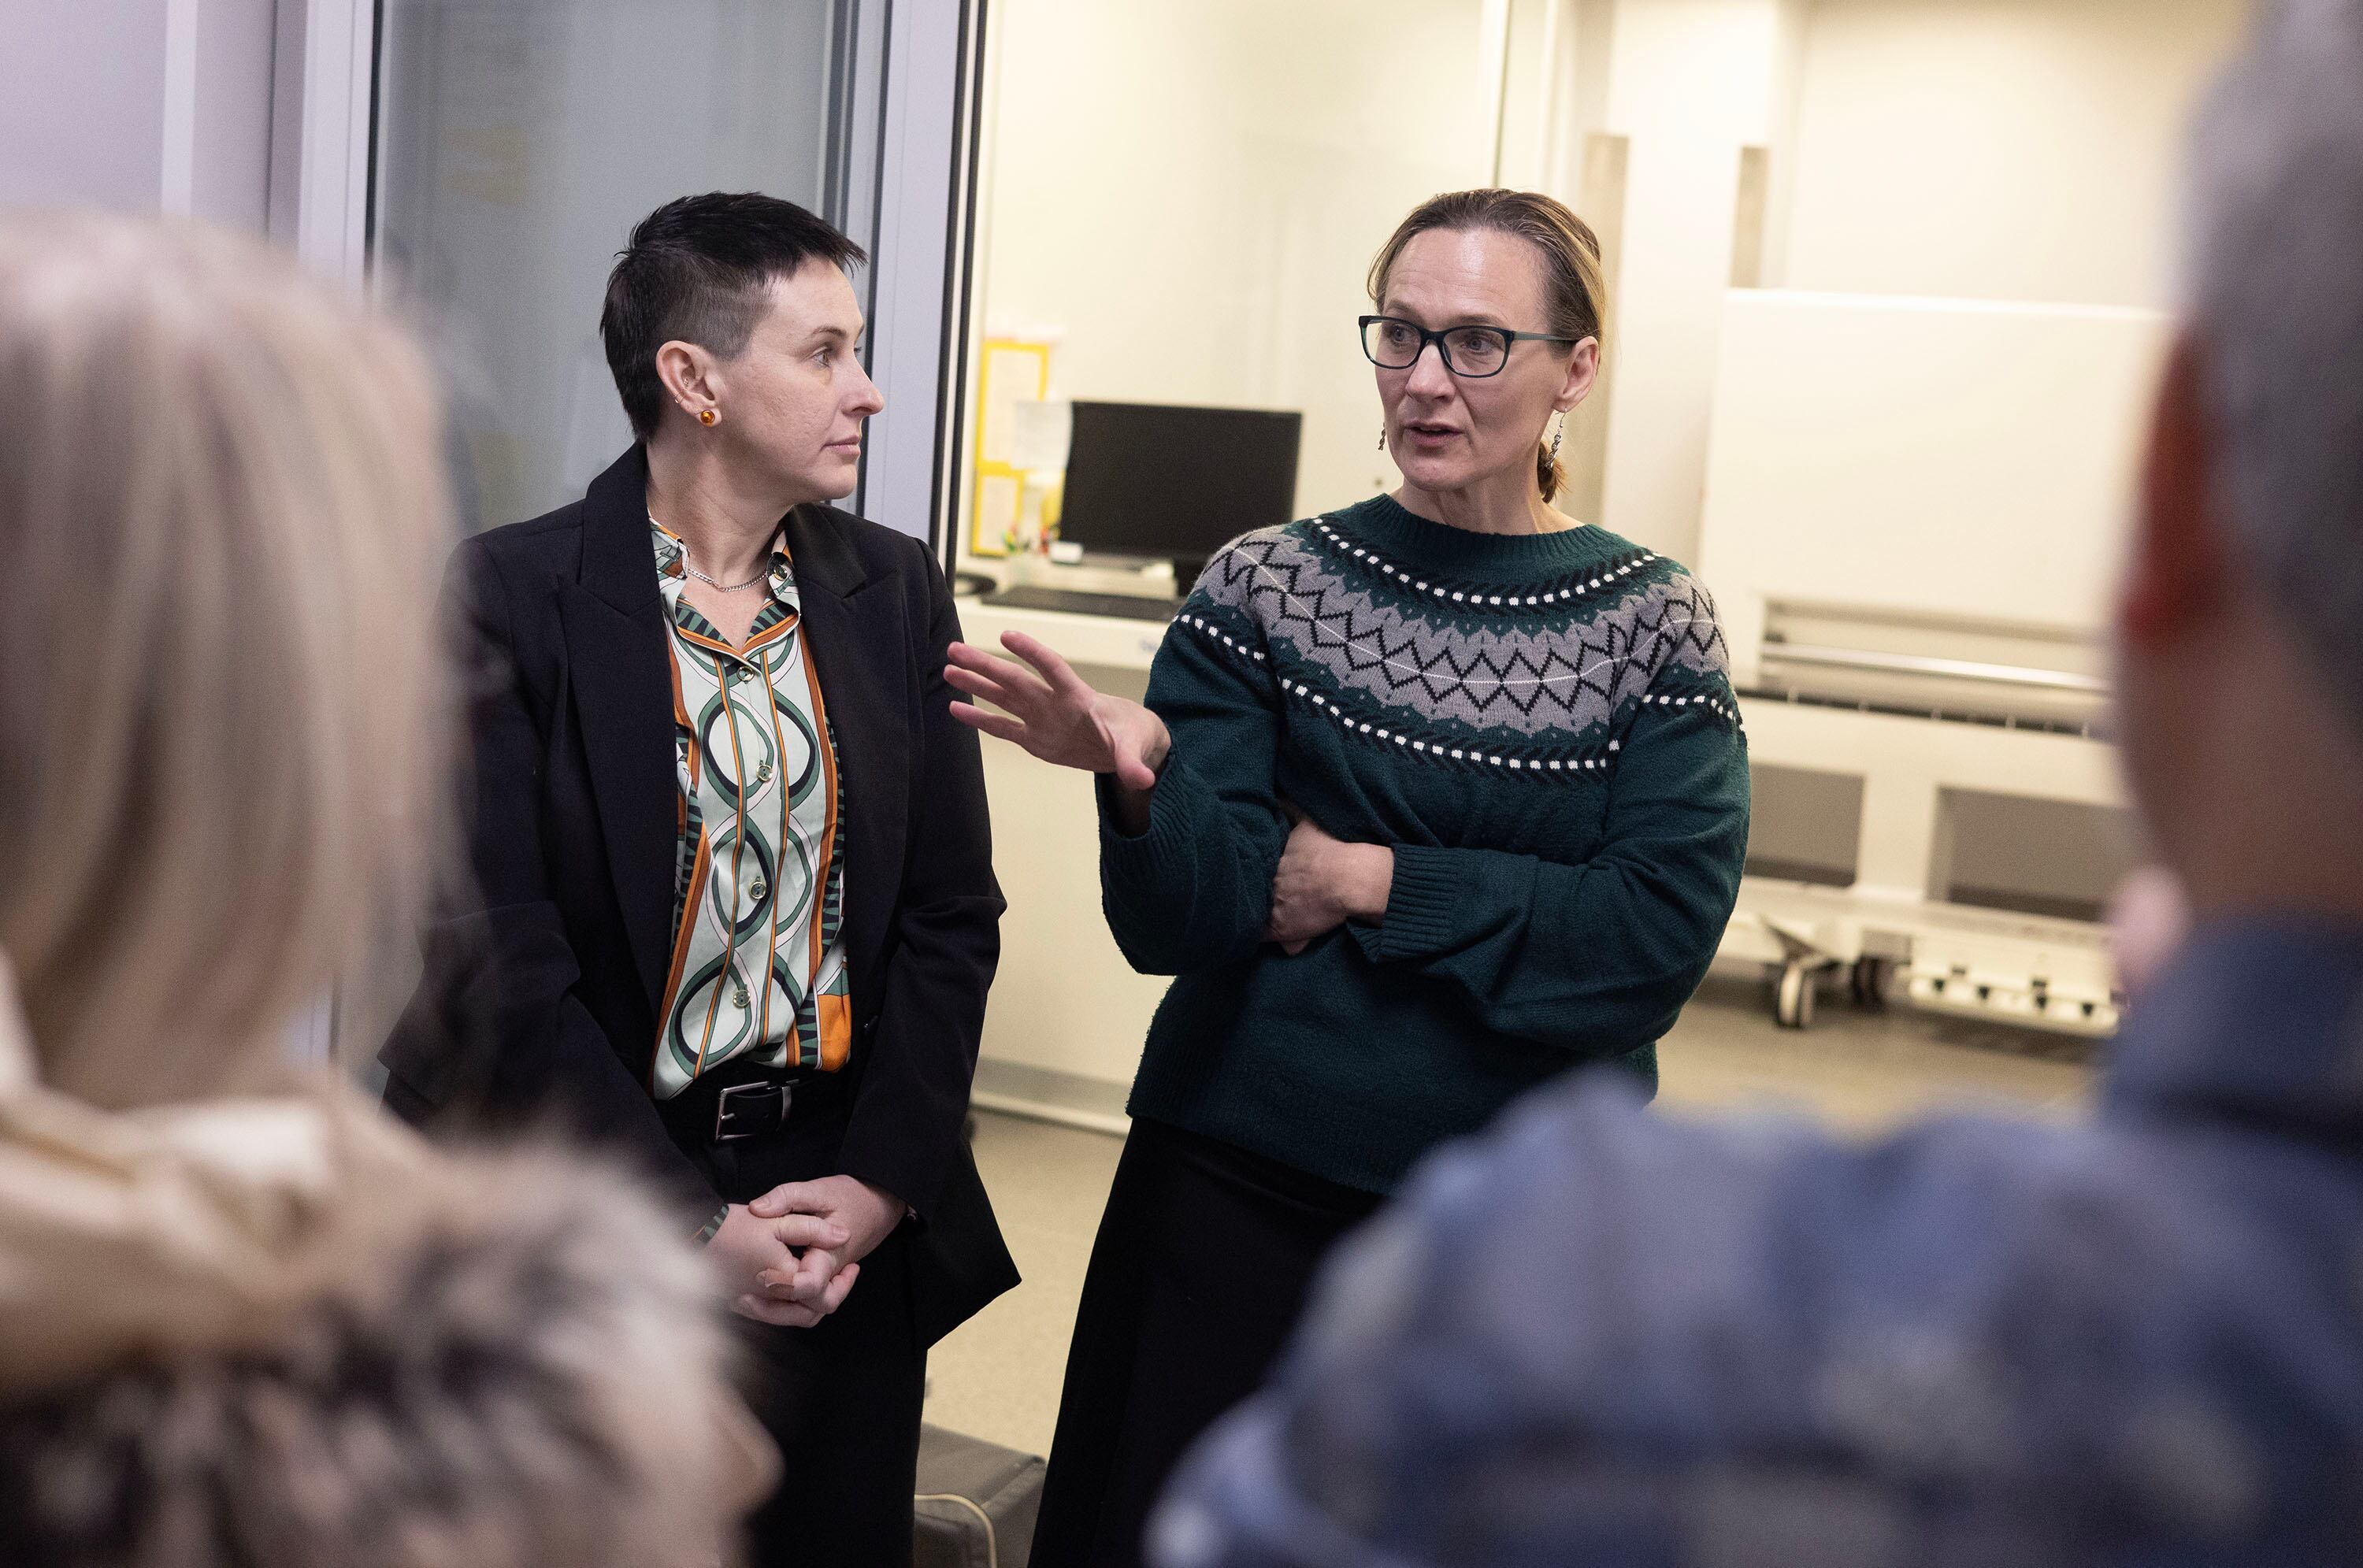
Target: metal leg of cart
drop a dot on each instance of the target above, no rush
(1867, 981)
(1806, 952)
(1792, 1004)
(2035, 971)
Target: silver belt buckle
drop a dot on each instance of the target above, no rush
(740, 1103)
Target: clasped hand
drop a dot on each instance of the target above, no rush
(1323, 882)
(792, 1256)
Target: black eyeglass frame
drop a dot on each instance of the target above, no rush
(1508, 337)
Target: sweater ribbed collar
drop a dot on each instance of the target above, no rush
(1384, 525)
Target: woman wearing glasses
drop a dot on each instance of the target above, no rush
(1433, 797)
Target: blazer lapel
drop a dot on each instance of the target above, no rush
(855, 640)
(621, 671)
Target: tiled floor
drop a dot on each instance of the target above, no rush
(998, 1376)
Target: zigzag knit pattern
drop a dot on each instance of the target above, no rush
(1530, 675)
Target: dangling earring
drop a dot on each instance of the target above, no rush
(1558, 435)
(1382, 437)
(706, 416)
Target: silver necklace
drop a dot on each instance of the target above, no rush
(719, 587)
(723, 586)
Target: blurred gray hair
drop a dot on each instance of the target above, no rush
(2275, 293)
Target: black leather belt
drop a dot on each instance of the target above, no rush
(749, 1111)
(740, 1101)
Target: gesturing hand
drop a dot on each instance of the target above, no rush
(753, 1251)
(1055, 714)
(1323, 882)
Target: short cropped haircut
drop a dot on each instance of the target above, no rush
(2273, 292)
(697, 271)
(223, 712)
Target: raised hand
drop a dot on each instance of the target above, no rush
(1055, 714)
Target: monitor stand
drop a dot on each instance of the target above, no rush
(1184, 568)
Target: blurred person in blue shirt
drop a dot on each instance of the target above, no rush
(1604, 1337)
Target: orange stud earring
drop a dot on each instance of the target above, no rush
(706, 416)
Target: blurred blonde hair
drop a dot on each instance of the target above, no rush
(221, 501)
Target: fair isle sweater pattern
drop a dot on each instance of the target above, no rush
(1534, 676)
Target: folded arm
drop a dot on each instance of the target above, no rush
(1599, 955)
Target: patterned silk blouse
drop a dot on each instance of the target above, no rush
(758, 969)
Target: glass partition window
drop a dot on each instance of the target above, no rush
(519, 141)
(1177, 205)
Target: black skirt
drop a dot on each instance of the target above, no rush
(1204, 1260)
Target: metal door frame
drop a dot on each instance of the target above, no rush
(924, 211)
(907, 193)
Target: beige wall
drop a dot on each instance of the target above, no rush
(143, 106)
(1690, 82)
(1189, 192)
(2019, 149)
(2016, 150)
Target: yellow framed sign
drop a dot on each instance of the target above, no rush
(1010, 370)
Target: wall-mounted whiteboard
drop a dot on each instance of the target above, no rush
(1949, 457)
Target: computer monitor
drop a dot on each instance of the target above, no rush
(1177, 483)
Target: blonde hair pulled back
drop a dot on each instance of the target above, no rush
(1575, 289)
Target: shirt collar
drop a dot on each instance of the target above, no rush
(671, 574)
(2257, 1019)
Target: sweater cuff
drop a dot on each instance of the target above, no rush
(1146, 860)
(1421, 900)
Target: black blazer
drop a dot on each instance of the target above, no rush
(541, 988)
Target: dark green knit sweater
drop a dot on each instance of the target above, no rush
(1542, 728)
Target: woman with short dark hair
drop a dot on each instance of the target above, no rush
(737, 913)
(1433, 797)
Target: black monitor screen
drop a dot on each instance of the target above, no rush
(1144, 480)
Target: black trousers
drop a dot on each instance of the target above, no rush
(841, 1398)
(1203, 1263)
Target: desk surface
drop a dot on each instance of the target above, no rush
(1121, 644)
(1072, 602)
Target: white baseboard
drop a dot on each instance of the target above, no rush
(1070, 1100)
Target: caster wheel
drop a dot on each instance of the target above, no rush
(1794, 1006)
(1867, 982)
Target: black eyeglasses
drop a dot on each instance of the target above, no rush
(1474, 352)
